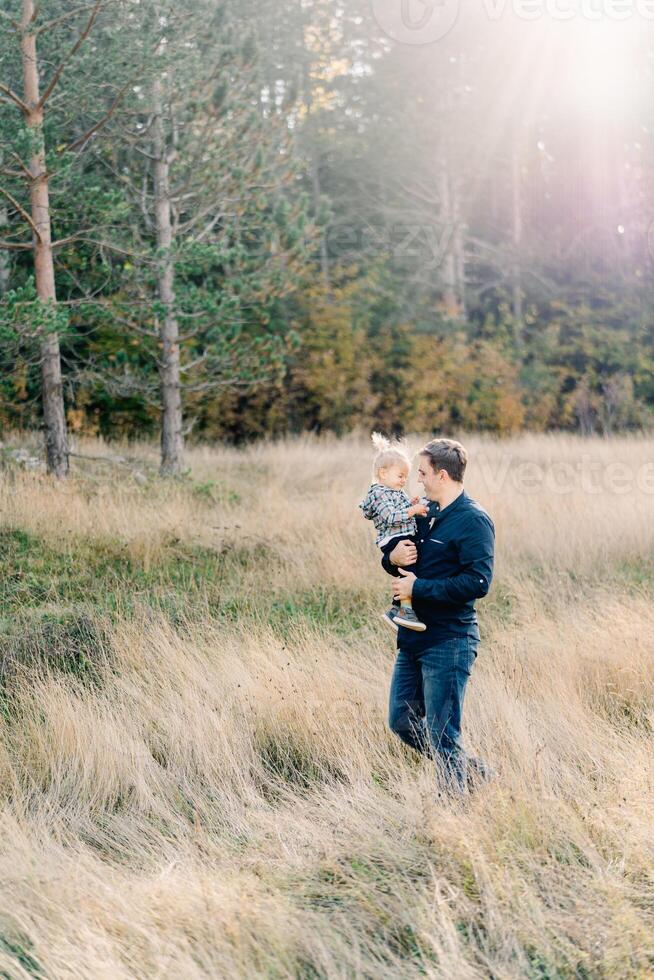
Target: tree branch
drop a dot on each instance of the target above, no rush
(60, 20)
(21, 210)
(183, 368)
(14, 23)
(210, 227)
(94, 241)
(101, 122)
(184, 337)
(71, 54)
(14, 98)
(227, 383)
(67, 241)
(134, 326)
(15, 246)
(23, 166)
(143, 153)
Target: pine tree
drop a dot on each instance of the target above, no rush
(202, 151)
(40, 47)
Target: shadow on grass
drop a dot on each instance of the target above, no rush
(288, 767)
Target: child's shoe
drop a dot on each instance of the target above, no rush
(407, 618)
(389, 617)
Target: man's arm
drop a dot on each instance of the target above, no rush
(405, 552)
(476, 553)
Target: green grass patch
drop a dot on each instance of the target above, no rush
(48, 591)
(19, 949)
(500, 605)
(341, 611)
(105, 576)
(637, 574)
(214, 492)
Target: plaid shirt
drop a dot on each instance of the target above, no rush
(388, 509)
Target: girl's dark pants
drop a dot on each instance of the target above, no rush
(409, 568)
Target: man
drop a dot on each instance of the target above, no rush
(453, 555)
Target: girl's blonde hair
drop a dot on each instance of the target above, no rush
(387, 453)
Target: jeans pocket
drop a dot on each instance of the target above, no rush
(468, 655)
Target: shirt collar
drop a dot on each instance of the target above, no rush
(435, 509)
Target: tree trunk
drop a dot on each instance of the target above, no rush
(56, 443)
(516, 231)
(451, 244)
(458, 245)
(172, 440)
(309, 133)
(5, 262)
(324, 255)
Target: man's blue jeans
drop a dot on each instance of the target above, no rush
(426, 701)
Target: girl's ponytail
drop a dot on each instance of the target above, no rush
(380, 442)
(387, 454)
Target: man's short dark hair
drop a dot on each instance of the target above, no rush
(448, 455)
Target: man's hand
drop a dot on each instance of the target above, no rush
(404, 553)
(403, 587)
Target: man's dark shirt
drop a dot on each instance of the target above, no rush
(454, 567)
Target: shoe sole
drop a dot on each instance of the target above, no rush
(389, 622)
(416, 627)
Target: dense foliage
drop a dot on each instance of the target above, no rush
(366, 233)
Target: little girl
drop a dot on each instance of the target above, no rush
(393, 514)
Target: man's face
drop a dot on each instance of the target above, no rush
(430, 480)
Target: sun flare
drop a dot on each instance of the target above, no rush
(601, 68)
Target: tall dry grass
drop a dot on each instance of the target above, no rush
(219, 795)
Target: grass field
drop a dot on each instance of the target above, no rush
(196, 775)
